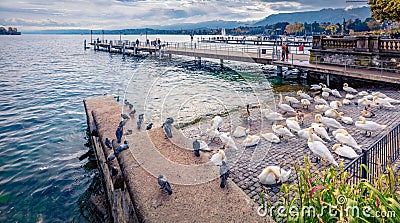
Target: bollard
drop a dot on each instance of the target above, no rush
(84, 45)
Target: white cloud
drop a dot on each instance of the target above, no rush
(119, 14)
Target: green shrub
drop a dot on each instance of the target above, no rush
(325, 196)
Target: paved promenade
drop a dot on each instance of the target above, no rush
(253, 160)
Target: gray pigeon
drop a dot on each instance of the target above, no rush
(132, 112)
(223, 174)
(124, 116)
(196, 148)
(167, 130)
(128, 104)
(162, 181)
(121, 124)
(169, 120)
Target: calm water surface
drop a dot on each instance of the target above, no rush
(43, 80)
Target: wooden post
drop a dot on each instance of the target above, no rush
(110, 46)
(84, 45)
(279, 71)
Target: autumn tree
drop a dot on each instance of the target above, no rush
(373, 24)
(294, 28)
(333, 28)
(385, 9)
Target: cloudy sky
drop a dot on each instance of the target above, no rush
(119, 14)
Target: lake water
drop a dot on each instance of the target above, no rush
(43, 80)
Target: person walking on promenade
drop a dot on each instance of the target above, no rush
(284, 47)
(287, 53)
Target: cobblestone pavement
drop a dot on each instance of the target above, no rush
(249, 162)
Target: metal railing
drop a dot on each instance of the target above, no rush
(377, 157)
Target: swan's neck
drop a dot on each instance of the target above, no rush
(273, 171)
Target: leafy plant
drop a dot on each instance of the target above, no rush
(326, 196)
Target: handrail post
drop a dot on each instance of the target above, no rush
(364, 161)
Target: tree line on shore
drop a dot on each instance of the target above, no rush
(9, 31)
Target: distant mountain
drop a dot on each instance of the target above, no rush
(215, 24)
(323, 15)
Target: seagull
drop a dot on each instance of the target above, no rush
(162, 181)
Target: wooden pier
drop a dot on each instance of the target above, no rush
(345, 57)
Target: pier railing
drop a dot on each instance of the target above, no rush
(377, 157)
(358, 44)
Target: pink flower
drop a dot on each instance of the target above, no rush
(314, 189)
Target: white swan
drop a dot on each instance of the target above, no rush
(320, 150)
(345, 119)
(369, 126)
(271, 115)
(271, 137)
(379, 94)
(251, 140)
(328, 122)
(240, 132)
(332, 113)
(282, 131)
(284, 107)
(392, 101)
(349, 96)
(362, 93)
(335, 104)
(346, 88)
(325, 94)
(320, 130)
(364, 102)
(305, 102)
(203, 145)
(382, 102)
(326, 89)
(216, 122)
(320, 100)
(227, 140)
(273, 175)
(218, 157)
(346, 101)
(322, 108)
(336, 93)
(344, 137)
(345, 151)
(303, 95)
(316, 87)
(292, 124)
(291, 100)
(305, 135)
(212, 133)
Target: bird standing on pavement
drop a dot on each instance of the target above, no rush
(162, 181)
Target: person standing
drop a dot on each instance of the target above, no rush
(287, 53)
(284, 48)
